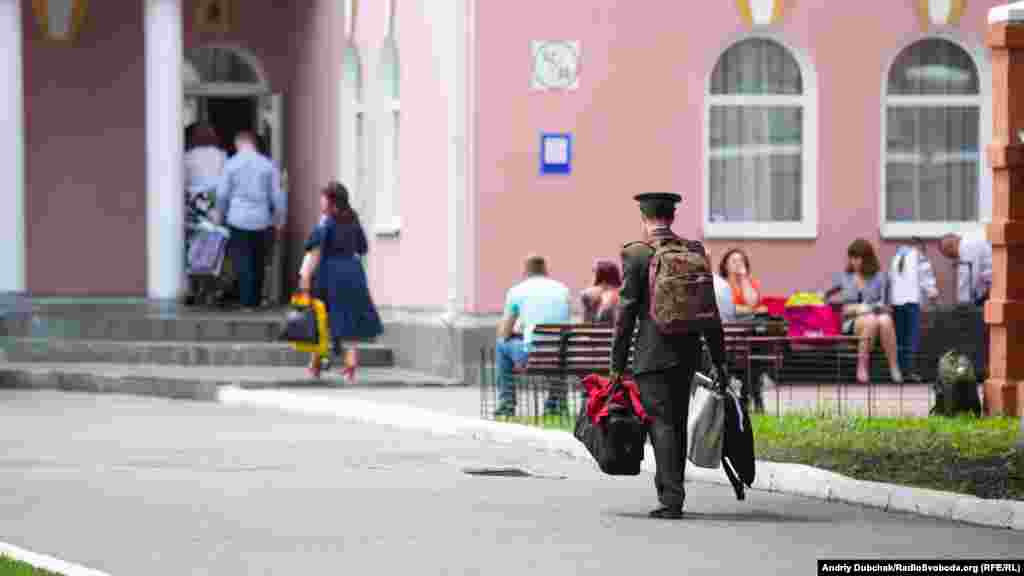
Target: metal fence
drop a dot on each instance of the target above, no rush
(812, 382)
(546, 401)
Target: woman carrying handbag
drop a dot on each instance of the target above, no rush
(332, 272)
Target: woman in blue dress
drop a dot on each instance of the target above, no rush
(333, 272)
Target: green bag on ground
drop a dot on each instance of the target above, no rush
(956, 385)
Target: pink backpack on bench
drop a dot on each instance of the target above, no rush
(812, 321)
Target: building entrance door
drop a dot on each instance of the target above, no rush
(229, 116)
(226, 88)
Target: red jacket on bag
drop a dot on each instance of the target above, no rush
(597, 397)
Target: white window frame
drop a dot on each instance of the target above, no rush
(388, 222)
(932, 230)
(353, 159)
(807, 227)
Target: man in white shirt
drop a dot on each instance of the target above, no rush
(972, 254)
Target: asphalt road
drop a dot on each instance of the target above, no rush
(143, 486)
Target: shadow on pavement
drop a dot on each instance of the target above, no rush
(754, 516)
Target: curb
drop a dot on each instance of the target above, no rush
(783, 478)
(119, 379)
(47, 562)
(72, 381)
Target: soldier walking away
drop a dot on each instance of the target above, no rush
(670, 314)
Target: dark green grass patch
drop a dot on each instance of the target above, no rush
(966, 454)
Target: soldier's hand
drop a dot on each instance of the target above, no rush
(723, 375)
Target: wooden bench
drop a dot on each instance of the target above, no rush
(581, 349)
(570, 350)
(561, 351)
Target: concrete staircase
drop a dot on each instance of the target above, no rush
(176, 352)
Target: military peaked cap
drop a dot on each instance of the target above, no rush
(658, 197)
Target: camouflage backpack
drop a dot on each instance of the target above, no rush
(956, 386)
(682, 289)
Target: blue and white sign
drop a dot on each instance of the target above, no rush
(555, 153)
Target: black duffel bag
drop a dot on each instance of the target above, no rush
(617, 442)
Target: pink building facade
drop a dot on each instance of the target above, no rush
(650, 115)
(790, 128)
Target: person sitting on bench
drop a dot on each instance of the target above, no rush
(536, 300)
(601, 300)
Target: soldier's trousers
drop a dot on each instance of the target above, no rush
(666, 398)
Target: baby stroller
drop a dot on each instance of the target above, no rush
(205, 247)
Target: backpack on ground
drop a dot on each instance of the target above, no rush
(682, 287)
(956, 387)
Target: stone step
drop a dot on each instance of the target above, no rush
(143, 328)
(227, 354)
(195, 383)
(148, 327)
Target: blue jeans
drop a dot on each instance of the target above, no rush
(510, 353)
(907, 318)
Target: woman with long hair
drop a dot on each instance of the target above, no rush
(601, 300)
(863, 294)
(333, 257)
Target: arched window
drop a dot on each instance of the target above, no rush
(219, 72)
(223, 69)
(389, 83)
(760, 148)
(353, 161)
(933, 132)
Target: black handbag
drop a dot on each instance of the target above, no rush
(617, 443)
(300, 326)
(738, 450)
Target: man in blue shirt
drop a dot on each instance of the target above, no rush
(536, 300)
(251, 201)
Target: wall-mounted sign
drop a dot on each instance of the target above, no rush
(761, 12)
(940, 12)
(60, 20)
(555, 64)
(555, 153)
(213, 16)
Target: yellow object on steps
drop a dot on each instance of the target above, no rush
(322, 347)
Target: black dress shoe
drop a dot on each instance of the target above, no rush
(667, 513)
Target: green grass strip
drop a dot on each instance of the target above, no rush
(12, 567)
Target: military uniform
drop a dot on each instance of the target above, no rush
(663, 366)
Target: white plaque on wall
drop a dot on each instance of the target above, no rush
(555, 64)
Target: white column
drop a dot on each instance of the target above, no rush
(165, 210)
(12, 150)
(448, 29)
(454, 29)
